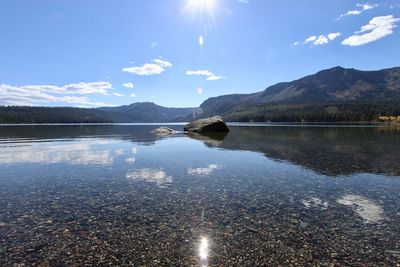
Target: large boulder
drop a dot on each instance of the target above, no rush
(163, 131)
(209, 125)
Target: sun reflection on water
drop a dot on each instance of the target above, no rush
(203, 251)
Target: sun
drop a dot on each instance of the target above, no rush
(199, 5)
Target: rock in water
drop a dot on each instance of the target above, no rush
(163, 131)
(209, 125)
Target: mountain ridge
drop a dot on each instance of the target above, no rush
(336, 86)
(332, 95)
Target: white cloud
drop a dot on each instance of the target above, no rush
(199, 72)
(362, 8)
(210, 76)
(70, 94)
(128, 85)
(203, 171)
(162, 63)
(367, 6)
(214, 78)
(82, 88)
(310, 39)
(133, 95)
(243, 1)
(158, 66)
(200, 91)
(321, 39)
(117, 94)
(333, 35)
(376, 29)
(352, 12)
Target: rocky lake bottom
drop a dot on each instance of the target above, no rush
(118, 195)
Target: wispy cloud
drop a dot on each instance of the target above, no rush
(376, 29)
(210, 76)
(214, 78)
(157, 66)
(118, 94)
(361, 8)
(310, 39)
(133, 95)
(321, 39)
(243, 1)
(199, 72)
(153, 45)
(71, 94)
(333, 35)
(128, 85)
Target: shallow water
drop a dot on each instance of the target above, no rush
(119, 195)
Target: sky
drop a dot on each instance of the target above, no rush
(178, 53)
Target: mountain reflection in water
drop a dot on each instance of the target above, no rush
(328, 150)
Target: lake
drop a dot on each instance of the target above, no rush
(259, 196)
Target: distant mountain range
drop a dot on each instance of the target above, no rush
(145, 112)
(332, 92)
(137, 112)
(332, 95)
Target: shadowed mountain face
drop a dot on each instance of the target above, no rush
(328, 150)
(337, 87)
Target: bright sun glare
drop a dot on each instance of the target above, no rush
(202, 4)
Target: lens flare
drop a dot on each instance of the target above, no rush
(201, 40)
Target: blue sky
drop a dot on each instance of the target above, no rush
(181, 52)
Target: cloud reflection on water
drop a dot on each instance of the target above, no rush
(83, 152)
(367, 209)
(203, 171)
(159, 177)
(315, 202)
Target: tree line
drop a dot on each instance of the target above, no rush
(25, 114)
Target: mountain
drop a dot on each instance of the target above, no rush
(24, 114)
(332, 95)
(137, 112)
(146, 112)
(339, 93)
